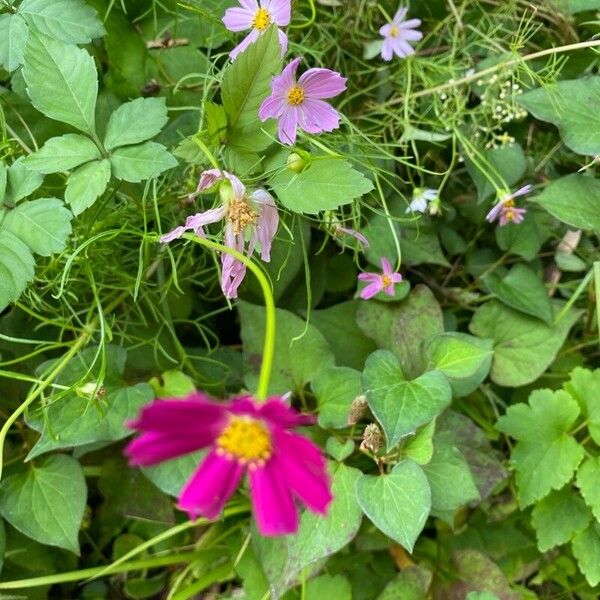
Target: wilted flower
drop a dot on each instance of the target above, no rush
(254, 216)
(506, 211)
(420, 199)
(384, 282)
(258, 16)
(300, 103)
(397, 34)
(243, 436)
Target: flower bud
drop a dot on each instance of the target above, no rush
(297, 162)
(358, 408)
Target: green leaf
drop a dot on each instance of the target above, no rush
(3, 181)
(246, 83)
(21, 181)
(338, 450)
(574, 200)
(70, 21)
(16, 268)
(588, 481)
(450, 479)
(400, 405)
(13, 35)
(522, 290)
(171, 475)
(573, 106)
(465, 360)
(546, 455)
(327, 586)
(62, 154)
(523, 347)
(296, 361)
(411, 583)
(144, 161)
(61, 81)
(557, 517)
(397, 503)
(87, 184)
(46, 502)
(403, 327)
(420, 447)
(335, 388)
(325, 184)
(584, 386)
(135, 122)
(43, 224)
(523, 239)
(216, 123)
(586, 548)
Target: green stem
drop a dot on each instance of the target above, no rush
(597, 291)
(207, 152)
(311, 20)
(269, 344)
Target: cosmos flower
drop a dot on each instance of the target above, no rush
(251, 216)
(301, 103)
(420, 199)
(258, 16)
(397, 34)
(505, 209)
(384, 282)
(242, 437)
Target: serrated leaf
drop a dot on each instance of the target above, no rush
(574, 200)
(546, 455)
(143, 161)
(522, 290)
(21, 181)
(324, 185)
(13, 35)
(586, 548)
(335, 388)
(16, 268)
(43, 224)
(86, 184)
(397, 503)
(402, 406)
(246, 83)
(588, 481)
(61, 81)
(70, 21)
(584, 386)
(135, 122)
(62, 154)
(46, 502)
(557, 517)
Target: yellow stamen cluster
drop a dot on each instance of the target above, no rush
(296, 96)
(386, 280)
(247, 440)
(509, 213)
(262, 19)
(394, 31)
(241, 214)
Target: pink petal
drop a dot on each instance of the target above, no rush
(250, 5)
(174, 234)
(238, 19)
(232, 270)
(272, 500)
(249, 39)
(386, 266)
(281, 84)
(322, 83)
(268, 222)
(272, 107)
(153, 448)
(288, 125)
(372, 277)
(199, 220)
(521, 191)
(207, 492)
(494, 213)
(389, 289)
(396, 277)
(280, 11)
(317, 116)
(283, 42)
(371, 290)
(355, 234)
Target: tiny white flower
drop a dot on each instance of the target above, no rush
(420, 199)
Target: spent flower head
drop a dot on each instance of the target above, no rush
(505, 209)
(398, 34)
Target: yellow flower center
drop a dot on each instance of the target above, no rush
(296, 95)
(247, 440)
(394, 31)
(386, 280)
(262, 19)
(241, 214)
(508, 209)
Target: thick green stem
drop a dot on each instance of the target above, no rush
(269, 344)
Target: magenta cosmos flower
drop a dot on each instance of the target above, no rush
(506, 211)
(397, 34)
(258, 16)
(301, 103)
(384, 282)
(242, 437)
(253, 217)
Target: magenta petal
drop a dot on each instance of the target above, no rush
(207, 492)
(386, 266)
(322, 83)
(278, 413)
(272, 500)
(371, 290)
(372, 277)
(152, 448)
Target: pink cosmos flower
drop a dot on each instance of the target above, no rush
(258, 16)
(242, 437)
(506, 210)
(397, 34)
(300, 103)
(385, 282)
(254, 216)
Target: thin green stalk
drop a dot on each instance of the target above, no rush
(269, 345)
(211, 158)
(311, 20)
(597, 290)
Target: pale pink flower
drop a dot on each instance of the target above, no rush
(251, 216)
(397, 34)
(301, 103)
(384, 282)
(505, 209)
(258, 16)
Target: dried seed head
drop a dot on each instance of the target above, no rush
(358, 408)
(372, 439)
